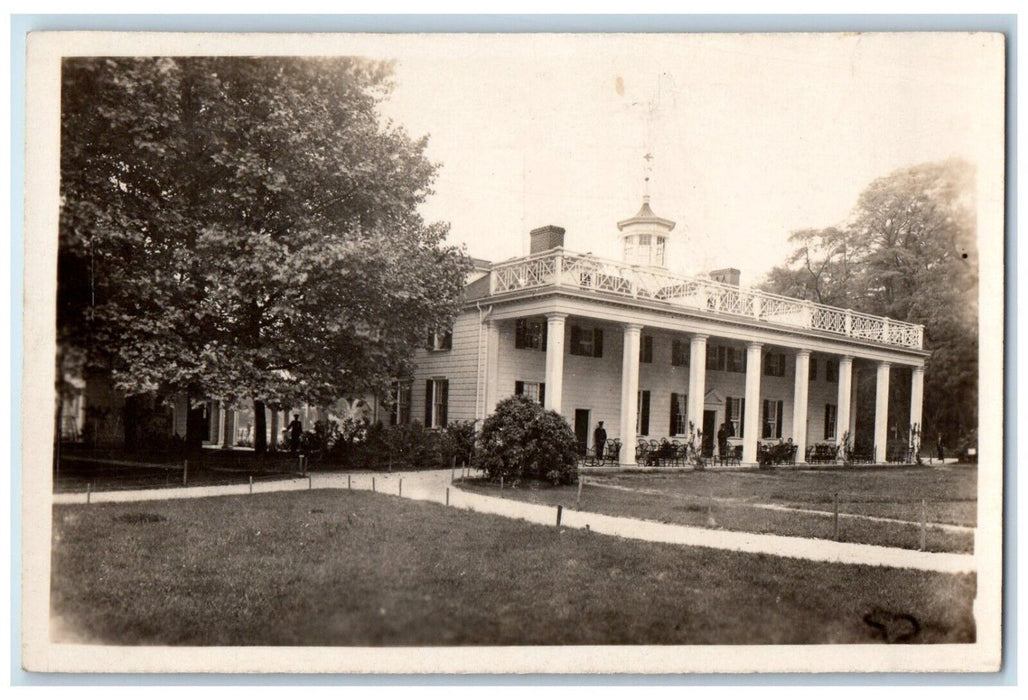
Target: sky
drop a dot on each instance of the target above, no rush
(752, 136)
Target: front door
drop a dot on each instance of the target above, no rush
(582, 429)
(707, 444)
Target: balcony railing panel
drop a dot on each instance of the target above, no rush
(561, 268)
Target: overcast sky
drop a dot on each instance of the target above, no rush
(752, 136)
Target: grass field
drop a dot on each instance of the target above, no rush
(354, 568)
(738, 500)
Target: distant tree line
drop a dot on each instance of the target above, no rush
(908, 252)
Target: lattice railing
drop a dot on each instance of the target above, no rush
(561, 268)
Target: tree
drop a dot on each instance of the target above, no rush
(246, 228)
(908, 252)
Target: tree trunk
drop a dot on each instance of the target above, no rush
(260, 428)
(195, 427)
(274, 430)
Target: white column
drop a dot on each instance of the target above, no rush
(881, 411)
(916, 397)
(492, 365)
(629, 391)
(751, 431)
(554, 360)
(842, 404)
(697, 381)
(799, 404)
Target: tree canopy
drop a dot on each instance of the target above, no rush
(907, 252)
(245, 227)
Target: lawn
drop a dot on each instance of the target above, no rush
(99, 471)
(737, 500)
(329, 567)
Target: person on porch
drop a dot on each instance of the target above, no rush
(599, 440)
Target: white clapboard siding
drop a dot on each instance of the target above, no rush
(459, 366)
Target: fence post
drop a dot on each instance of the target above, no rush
(447, 495)
(309, 485)
(578, 499)
(372, 484)
(251, 484)
(89, 491)
(835, 533)
(924, 522)
(401, 487)
(348, 488)
(501, 483)
(185, 471)
(560, 512)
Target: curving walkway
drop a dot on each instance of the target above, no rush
(433, 486)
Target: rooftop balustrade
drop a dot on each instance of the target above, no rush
(564, 269)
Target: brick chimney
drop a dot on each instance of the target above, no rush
(545, 238)
(726, 275)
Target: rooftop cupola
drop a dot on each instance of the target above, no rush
(644, 237)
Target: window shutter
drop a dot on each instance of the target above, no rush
(644, 414)
(813, 369)
(597, 342)
(448, 340)
(672, 429)
(519, 333)
(742, 417)
(778, 423)
(542, 393)
(444, 399)
(828, 427)
(544, 333)
(575, 340)
(428, 403)
(519, 388)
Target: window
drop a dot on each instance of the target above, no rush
(832, 371)
(529, 334)
(436, 400)
(646, 348)
(772, 419)
(726, 359)
(830, 418)
(774, 364)
(441, 341)
(642, 415)
(400, 413)
(533, 390)
(679, 353)
(735, 409)
(812, 373)
(587, 342)
(678, 413)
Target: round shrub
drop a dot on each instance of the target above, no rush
(521, 440)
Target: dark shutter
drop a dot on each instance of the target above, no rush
(597, 342)
(812, 375)
(673, 427)
(543, 333)
(519, 388)
(780, 405)
(448, 340)
(828, 415)
(444, 396)
(542, 393)
(742, 417)
(428, 403)
(519, 333)
(644, 414)
(575, 340)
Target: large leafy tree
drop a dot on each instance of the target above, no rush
(907, 252)
(245, 228)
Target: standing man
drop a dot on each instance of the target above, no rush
(295, 431)
(599, 440)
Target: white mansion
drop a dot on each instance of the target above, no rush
(651, 353)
